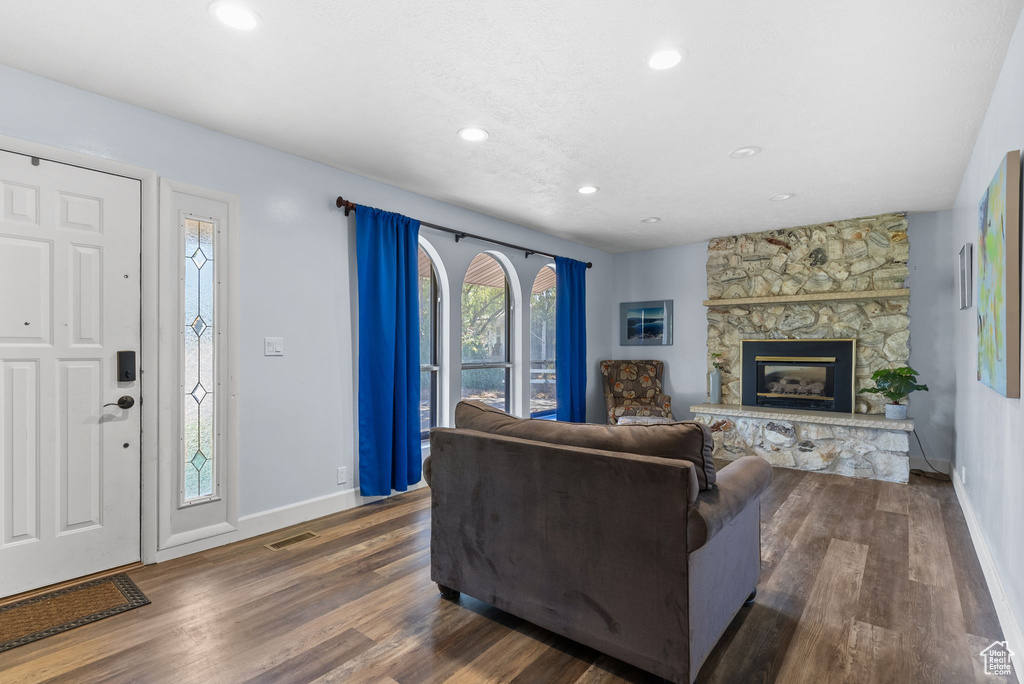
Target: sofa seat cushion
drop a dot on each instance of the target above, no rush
(687, 440)
(739, 484)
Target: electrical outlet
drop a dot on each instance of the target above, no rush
(342, 474)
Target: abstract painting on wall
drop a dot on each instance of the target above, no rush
(999, 280)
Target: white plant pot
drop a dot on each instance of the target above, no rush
(895, 411)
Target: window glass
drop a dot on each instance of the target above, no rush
(542, 344)
(485, 333)
(198, 332)
(428, 343)
(484, 311)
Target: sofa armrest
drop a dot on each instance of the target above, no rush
(426, 470)
(738, 485)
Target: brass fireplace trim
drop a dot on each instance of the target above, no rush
(801, 359)
(794, 396)
(853, 370)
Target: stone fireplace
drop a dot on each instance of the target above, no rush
(775, 301)
(839, 280)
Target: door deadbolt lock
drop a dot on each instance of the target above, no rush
(124, 402)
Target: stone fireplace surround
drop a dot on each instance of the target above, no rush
(837, 280)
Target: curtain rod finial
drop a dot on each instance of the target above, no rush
(342, 202)
(590, 264)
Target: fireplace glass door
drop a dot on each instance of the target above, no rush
(796, 382)
(814, 375)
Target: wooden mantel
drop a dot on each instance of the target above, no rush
(860, 296)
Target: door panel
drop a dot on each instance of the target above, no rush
(19, 406)
(70, 283)
(79, 444)
(25, 282)
(20, 203)
(86, 296)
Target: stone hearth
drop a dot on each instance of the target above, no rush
(856, 445)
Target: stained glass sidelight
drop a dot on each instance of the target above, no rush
(198, 332)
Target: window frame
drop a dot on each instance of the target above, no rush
(188, 527)
(434, 367)
(507, 364)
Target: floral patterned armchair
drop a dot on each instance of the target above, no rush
(633, 388)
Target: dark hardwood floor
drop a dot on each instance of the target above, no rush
(861, 581)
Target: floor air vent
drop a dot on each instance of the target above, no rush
(285, 543)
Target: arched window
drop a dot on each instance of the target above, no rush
(486, 334)
(542, 344)
(430, 306)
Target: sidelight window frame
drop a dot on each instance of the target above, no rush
(187, 525)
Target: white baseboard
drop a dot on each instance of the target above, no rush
(275, 519)
(918, 463)
(1007, 620)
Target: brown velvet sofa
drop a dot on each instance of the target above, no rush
(623, 538)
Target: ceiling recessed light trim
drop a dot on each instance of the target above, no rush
(650, 219)
(474, 134)
(234, 14)
(744, 152)
(588, 189)
(659, 60)
(783, 197)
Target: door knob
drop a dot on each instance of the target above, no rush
(124, 402)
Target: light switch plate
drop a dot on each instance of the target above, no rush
(273, 346)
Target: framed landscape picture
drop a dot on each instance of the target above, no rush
(646, 323)
(999, 280)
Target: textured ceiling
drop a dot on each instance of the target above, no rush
(860, 107)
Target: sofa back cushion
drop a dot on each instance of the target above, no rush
(687, 440)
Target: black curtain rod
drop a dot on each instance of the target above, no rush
(342, 203)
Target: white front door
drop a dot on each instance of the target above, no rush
(70, 300)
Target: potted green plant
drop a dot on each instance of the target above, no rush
(895, 384)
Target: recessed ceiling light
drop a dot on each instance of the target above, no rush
(235, 14)
(663, 59)
(587, 190)
(650, 219)
(473, 134)
(783, 197)
(744, 152)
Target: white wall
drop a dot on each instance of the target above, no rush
(934, 306)
(679, 274)
(990, 427)
(298, 279)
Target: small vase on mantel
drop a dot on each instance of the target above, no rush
(715, 386)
